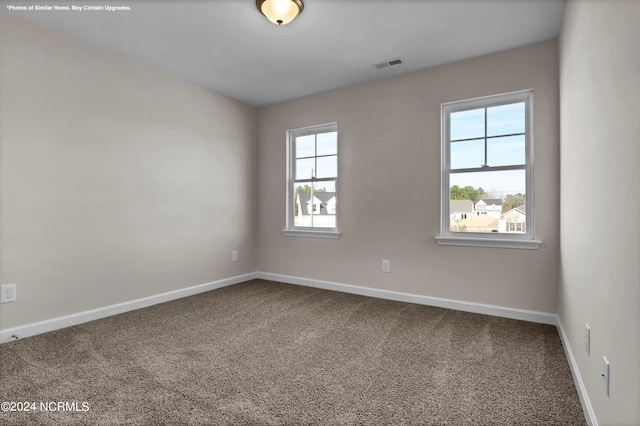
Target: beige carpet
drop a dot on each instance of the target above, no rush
(264, 353)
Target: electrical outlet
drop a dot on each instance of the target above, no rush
(587, 338)
(7, 293)
(386, 265)
(234, 256)
(605, 375)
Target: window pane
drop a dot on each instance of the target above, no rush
(305, 146)
(496, 184)
(490, 201)
(506, 119)
(506, 151)
(304, 168)
(327, 166)
(328, 143)
(321, 213)
(467, 124)
(467, 154)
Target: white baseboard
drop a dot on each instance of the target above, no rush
(587, 409)
(478, 308)
(6, 335)
(94, 314)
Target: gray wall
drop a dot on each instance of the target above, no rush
(600, 231)
(116, 181)
(389, 168)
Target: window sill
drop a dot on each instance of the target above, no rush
(489, 242)
(310, 233)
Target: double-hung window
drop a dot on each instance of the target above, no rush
(487, 172)
(312, 181)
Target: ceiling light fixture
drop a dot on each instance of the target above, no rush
(280, 11)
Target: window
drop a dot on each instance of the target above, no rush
(516, 227)
(312, 180)
(487, 158)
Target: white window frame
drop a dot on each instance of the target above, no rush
(525, 240)
(299, 231)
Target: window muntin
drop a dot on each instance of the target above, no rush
(312, 181)
(487, 156)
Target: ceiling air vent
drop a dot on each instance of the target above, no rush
(388, 63)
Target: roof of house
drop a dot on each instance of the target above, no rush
(460, 206)
(324, 198)
(490, 201)
(522, 208)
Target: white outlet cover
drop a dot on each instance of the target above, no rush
(386, 265)
(7, 293)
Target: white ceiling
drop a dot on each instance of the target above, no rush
(229, 47)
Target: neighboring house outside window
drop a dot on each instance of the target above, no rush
(514, 220)
(459, 211)
(487, 159)
(488, 207)
(312, 180)
(324, 209)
